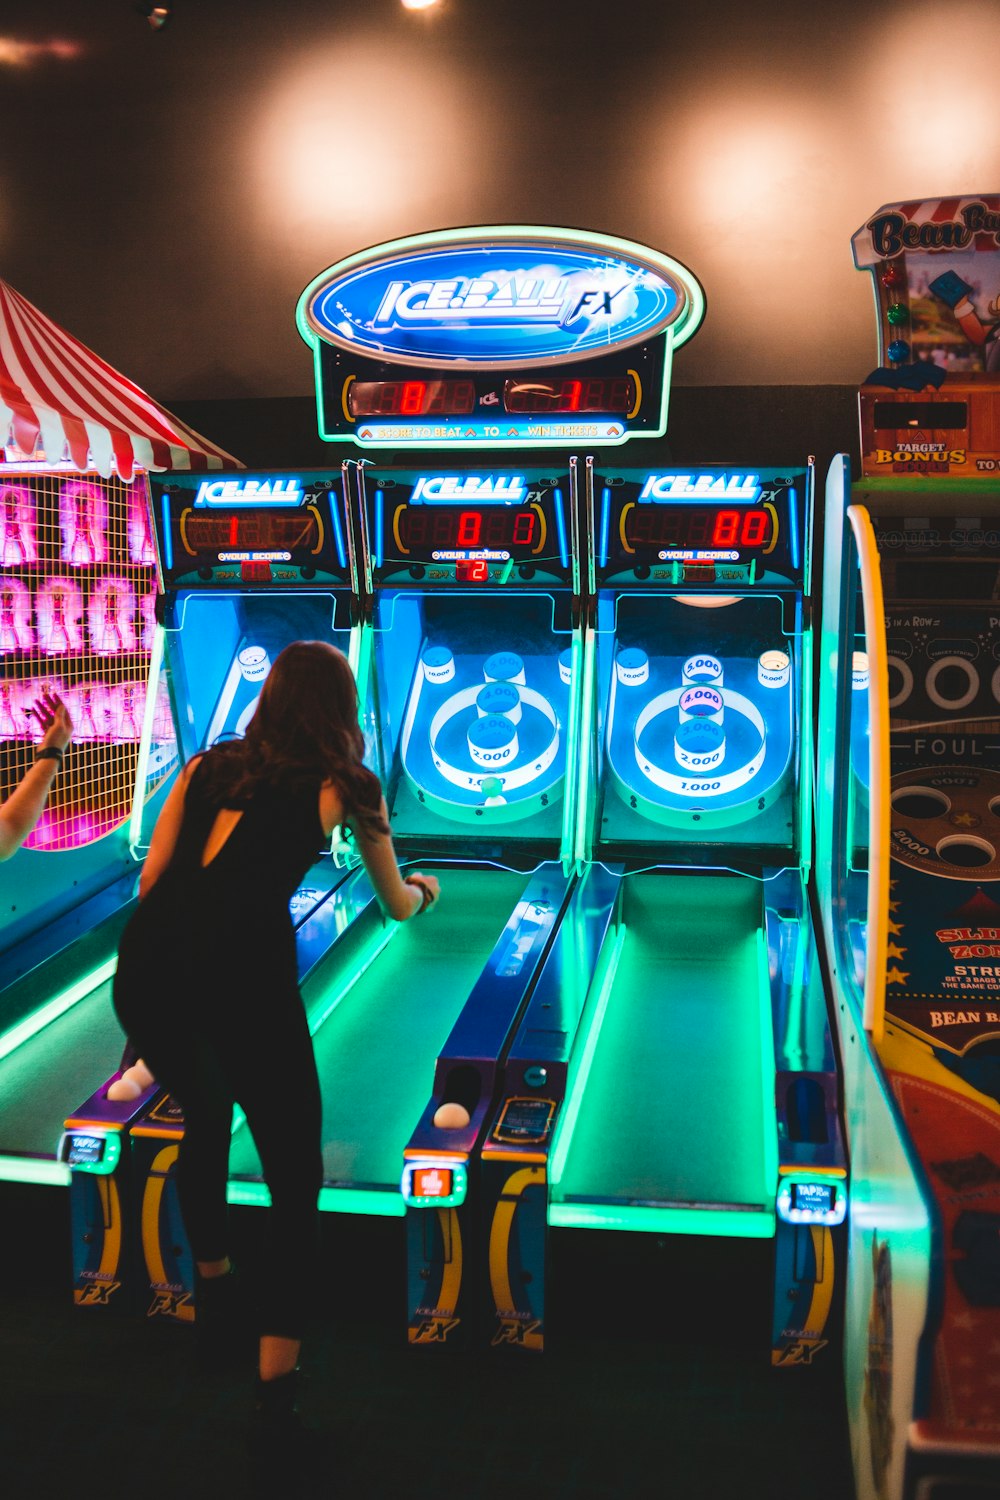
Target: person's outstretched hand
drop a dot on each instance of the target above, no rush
(53, 715)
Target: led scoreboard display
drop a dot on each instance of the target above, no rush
(498, 337)
(607, 394)
(469, 528)
(251, 529)
(700, 526)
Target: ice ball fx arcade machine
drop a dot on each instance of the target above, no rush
(707, 1006)
(909, 853)
(562, 340)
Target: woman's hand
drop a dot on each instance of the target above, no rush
(53, 715)
(429, 887)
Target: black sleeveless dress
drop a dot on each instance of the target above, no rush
(207, 993)
(214, 947)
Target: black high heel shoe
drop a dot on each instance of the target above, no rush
(286, 1457)
(225, 1338)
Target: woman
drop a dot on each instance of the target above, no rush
(207, 989)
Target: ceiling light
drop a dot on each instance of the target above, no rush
(156, 15)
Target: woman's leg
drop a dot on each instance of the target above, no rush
(197, 1077)
(274, 1073)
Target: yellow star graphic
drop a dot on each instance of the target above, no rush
(896, 976)
(965, 820)
(892, 950)
(895, 928)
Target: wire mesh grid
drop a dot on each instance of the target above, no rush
(77, 616)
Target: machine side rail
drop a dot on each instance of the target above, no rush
(879, 784)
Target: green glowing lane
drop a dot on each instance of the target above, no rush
(672, 1133)
(377, 1049)
(53, 1072)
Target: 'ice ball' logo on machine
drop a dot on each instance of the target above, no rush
(500, 296)
(462, 489)
(742, 487)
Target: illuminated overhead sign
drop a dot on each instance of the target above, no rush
(745, 487)
(498, 297)
(497, 337)
(233, 492)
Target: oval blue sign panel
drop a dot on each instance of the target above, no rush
(500, 296)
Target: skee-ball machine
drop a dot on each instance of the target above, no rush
(707, 1009)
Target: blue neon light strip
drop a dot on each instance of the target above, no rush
(338, 535)
(561, 528)
(793, 527)
(605, 524)
(168, 541)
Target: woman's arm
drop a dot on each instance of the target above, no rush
(168, 826)
(400, 898)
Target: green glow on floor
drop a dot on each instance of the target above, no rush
(30, 1169)
(664, 1219)
(56, 1007)
(331, 1200)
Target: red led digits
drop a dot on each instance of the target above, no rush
(696, 527)
(755, 527)
(411, 399)
(608, 394)
(470, 524)
(727, 528)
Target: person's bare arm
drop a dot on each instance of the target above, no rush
(400, 898)
(168, 826)
(26, 803)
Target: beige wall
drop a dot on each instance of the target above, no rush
(167, 196)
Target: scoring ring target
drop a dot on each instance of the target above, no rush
(510, 779)
(946, 822)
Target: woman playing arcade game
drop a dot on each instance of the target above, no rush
(221, 1021)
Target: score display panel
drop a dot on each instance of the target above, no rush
(245, 530)
(600, 401)
(721, 527)
(475, 529)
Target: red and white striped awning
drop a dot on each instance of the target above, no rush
(57, 394)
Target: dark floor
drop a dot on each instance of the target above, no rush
(657, 1383)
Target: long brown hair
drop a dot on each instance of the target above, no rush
(305, 728)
